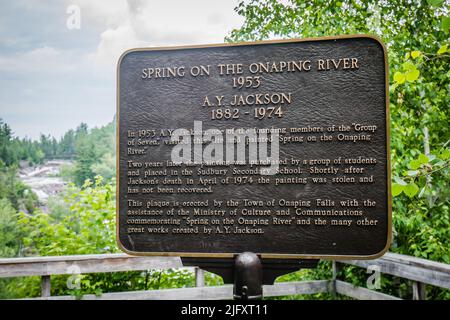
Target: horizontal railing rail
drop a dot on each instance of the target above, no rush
(89, 263)
(421, 272)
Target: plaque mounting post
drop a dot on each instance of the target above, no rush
(248, 277)
(249, 271)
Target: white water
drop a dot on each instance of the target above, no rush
(44, 179)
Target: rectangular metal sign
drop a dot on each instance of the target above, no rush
(277, 147)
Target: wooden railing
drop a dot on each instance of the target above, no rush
(420, 272)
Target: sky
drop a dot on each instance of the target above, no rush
(58, 57)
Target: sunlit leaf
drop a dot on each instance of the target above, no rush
(415, 54)
(399, 77)
(408, 65)
(412, 75)
(423, 158)
(411, 189)
(396, 189)
(442, 49)
(445, 154)
(414, 164)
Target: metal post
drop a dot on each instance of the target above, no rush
(248, 277)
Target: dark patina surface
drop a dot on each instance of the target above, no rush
(319, 99)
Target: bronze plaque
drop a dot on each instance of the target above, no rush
(279, 148)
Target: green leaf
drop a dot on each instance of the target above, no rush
(414, 164)
(445, 23)
(423, 158)
(415, 54)
(422, 191)
(400, 181)
(399, 77)
(445, 154)
(412, 173)
(411, 189)
(412, 75)
(435, 3)
(396, 189)
(442, 49)
(422, 181)
(408, 65)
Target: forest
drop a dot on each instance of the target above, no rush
(81, 220)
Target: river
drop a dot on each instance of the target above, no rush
(44, 179)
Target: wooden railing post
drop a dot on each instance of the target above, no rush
(199, 277)
(336, 267)
(45, 286)
(419, 290)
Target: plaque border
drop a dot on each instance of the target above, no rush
(262, 255)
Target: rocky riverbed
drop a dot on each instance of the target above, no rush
(44, 179)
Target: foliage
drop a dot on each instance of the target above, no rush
(88, 226)
(106, 166)
(10, 233)
(18, 194)
(93, 150)
(12, 150)
(95, 154)
(82, 221)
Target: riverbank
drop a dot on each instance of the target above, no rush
(45, 179)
